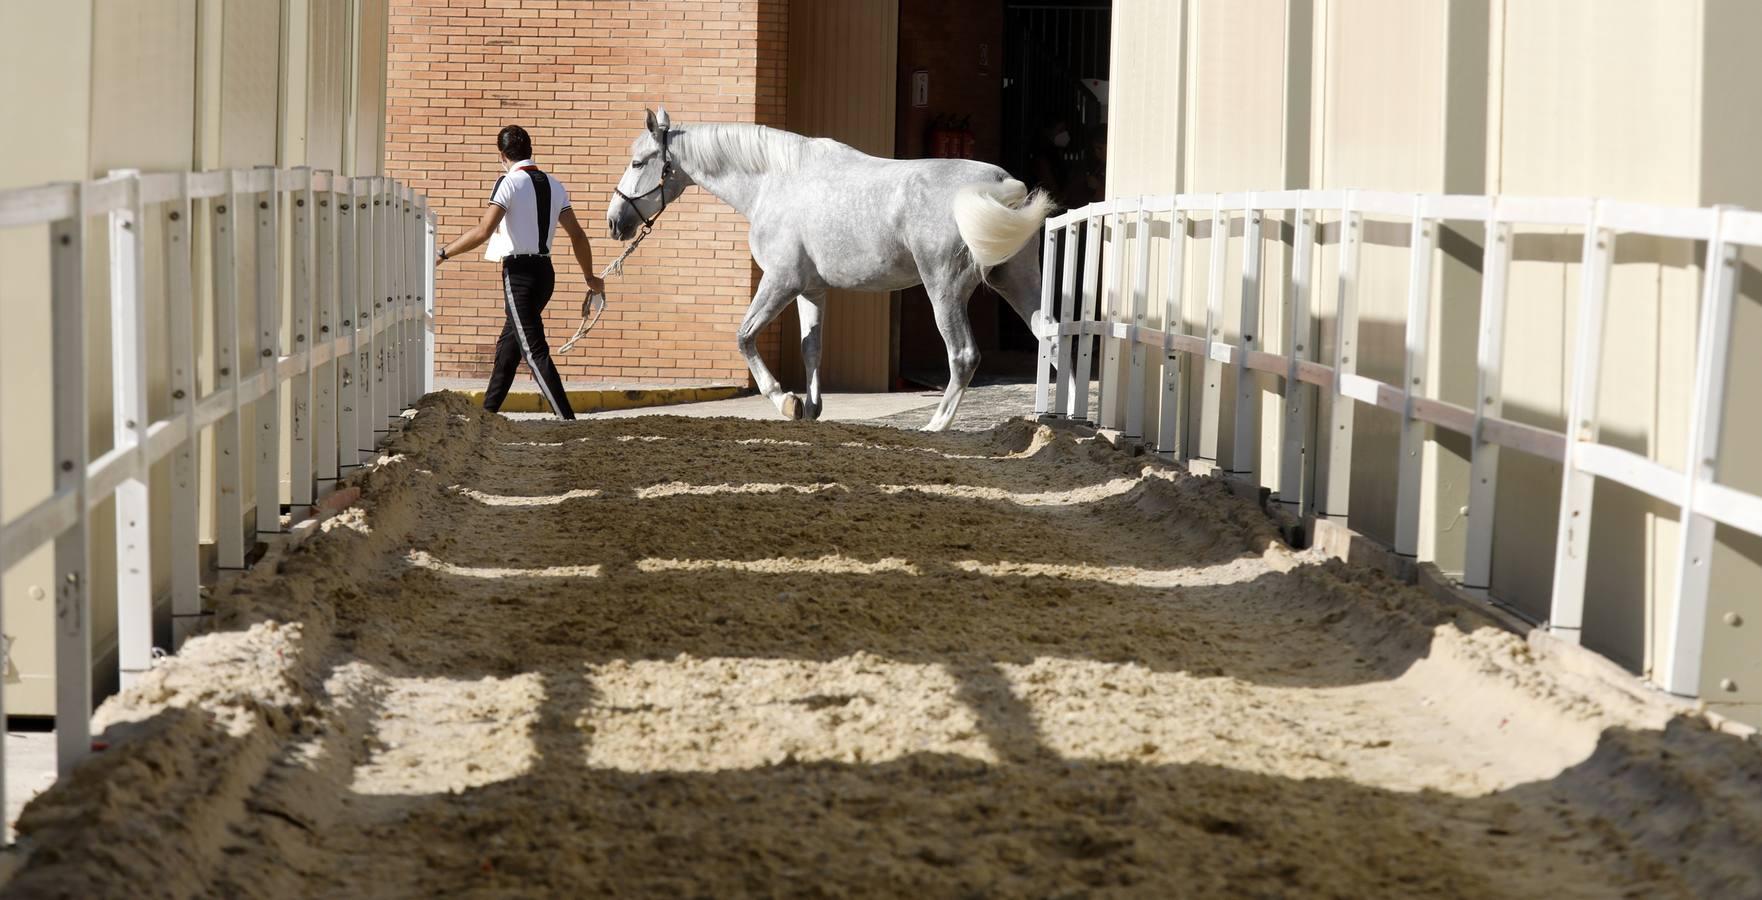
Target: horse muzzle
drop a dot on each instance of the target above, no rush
(622, 219)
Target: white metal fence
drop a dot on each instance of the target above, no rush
(1315, 462)
(342, 296)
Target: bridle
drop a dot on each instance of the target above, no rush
(648, 222)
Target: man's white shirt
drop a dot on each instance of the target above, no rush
(518, 196)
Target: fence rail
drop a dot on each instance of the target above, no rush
(345, 338)
(1316, 459)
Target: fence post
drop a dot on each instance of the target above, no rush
(384, 403)
(378, 288)
(1411, 468)
(1688, 625)
(328, 337)
(1483, 486)
(412, 354)
(1107, 413)
(1087, 312)
(366, 257)
(1170, 427)
(1299, 419)
(73, 599)
(428, 250)
(1140, 307)
(412, 299)
(128, 377)
(1335, 469)
(186, 575)
(394, 303)
(1245, 443)
(1211, 409)
(1063, 402)
(413, 323)
(229, 478)
(302, 479)
(349, 218)
(1572, 540)
(267, 411)
(1047, 342)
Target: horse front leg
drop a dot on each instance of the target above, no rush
(809, 308)
(772, 296)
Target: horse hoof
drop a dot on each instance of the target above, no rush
(792, 407)
(811, 412)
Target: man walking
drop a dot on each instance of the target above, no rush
(525, 208)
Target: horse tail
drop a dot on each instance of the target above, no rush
(997, 218)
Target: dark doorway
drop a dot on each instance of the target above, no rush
(998, 73)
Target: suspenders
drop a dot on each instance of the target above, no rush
(541, 206)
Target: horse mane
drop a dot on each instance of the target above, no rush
(752, 149)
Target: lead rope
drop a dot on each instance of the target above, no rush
(596, 301)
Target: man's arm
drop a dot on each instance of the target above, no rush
(464, 243)
(583, 250)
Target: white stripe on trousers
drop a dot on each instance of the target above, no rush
(525, 348)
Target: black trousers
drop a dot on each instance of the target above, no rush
(527, 283)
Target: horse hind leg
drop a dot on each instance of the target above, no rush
(809, 309)
(949, 302)
(1017, 279)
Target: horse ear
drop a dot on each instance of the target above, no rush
(662, 120)
(650, 123)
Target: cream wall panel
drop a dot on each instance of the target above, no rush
(1190, 114)
(143, 116)
(1402, 106)
(48, 46)
(842, 85)
(242, 105)
(1381, 127)
(367, 88)
(1732, 132)
(327, 85)
(1145, 94)
(1145, 157)
(1601, 98)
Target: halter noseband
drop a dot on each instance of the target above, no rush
(648, 222)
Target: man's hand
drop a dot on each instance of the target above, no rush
(596, 284)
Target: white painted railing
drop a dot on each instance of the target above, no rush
(1315, 465)
(347, 338)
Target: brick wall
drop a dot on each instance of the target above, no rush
(577, 74)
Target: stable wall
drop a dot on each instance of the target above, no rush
(156, 85)
(1643, 100)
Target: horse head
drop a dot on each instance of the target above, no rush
(652, 181)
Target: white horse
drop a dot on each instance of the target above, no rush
(825, 215)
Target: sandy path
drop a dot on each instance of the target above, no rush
(709, 658)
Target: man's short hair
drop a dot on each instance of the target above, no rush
(514, 143)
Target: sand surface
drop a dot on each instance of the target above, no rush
(711, 658)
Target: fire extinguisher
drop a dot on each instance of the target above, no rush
(968, 140)
(945, 138)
